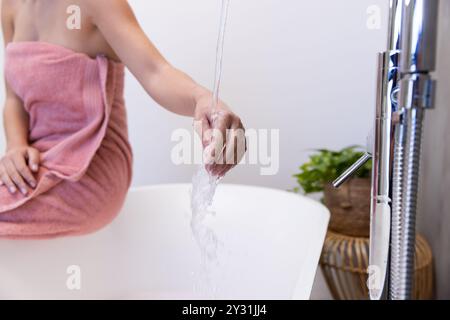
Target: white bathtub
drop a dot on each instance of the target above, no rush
(271, 243)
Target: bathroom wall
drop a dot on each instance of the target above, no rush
(434, 203)
(306, 68)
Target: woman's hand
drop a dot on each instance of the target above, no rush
(17, 168)
(222, 133)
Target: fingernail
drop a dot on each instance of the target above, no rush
(12, 189)
(34, 167)
(33, 184)
(24, 191)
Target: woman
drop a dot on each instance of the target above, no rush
(67, 167)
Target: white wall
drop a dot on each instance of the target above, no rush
(304, 67)
(434, 203)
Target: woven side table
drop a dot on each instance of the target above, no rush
(344, 263)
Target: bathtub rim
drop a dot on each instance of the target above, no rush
(320, 238)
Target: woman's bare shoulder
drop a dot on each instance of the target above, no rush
(104, 5)
(9, 6)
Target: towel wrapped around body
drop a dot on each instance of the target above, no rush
(78, 122)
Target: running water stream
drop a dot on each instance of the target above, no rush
(204, 187)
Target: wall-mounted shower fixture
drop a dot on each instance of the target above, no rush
(405, 90)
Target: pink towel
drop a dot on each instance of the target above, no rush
(78, 122)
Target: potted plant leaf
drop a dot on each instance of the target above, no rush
(349, 204)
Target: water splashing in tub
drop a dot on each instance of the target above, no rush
(204, 187)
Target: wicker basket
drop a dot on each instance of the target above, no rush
(345, 259)
(349, 206)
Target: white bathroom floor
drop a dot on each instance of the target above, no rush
(320, 289)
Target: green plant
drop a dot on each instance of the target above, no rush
(326, 165)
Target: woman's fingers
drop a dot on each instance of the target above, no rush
(6, 179)
(206, 133)
(223, 138)
(24, 170)
(33, 156)
(221, 123)
(236, 143)
(230, 145)
(222, 170)
(15, 176)
(203, 128)
(16, 170)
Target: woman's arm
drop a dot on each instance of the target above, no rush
(20, 159)
(167, 85)
(15, 118)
